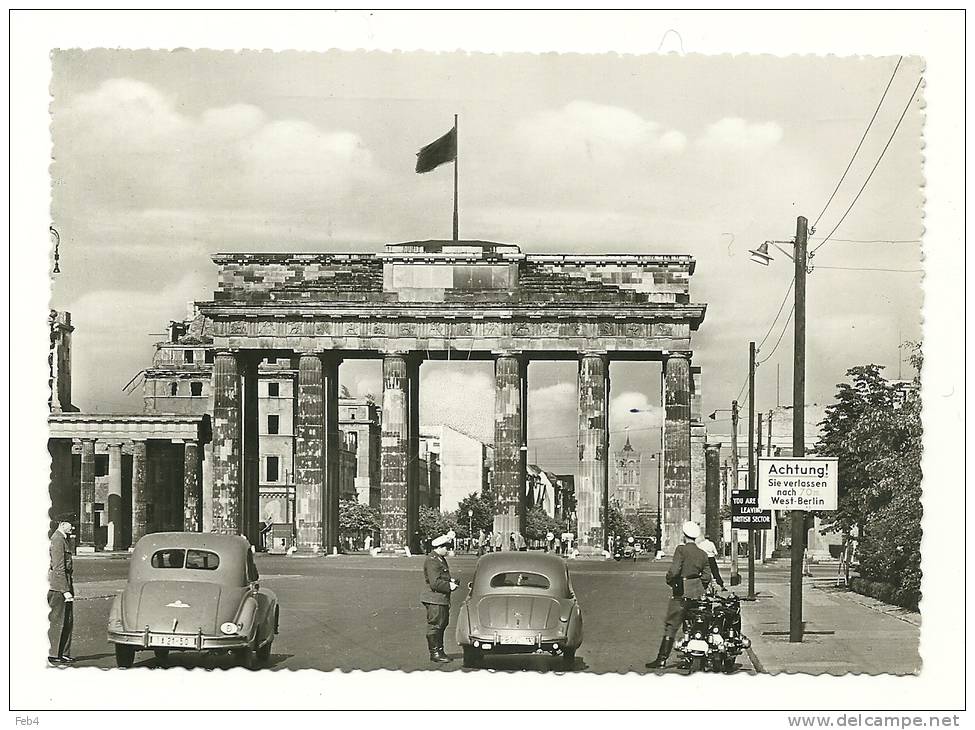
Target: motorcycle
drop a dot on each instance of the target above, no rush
(712, 637)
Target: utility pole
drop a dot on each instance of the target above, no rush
(751, 463)
(798, 428)
(760, 537)
(735, 579)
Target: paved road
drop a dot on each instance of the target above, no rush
(357, 612)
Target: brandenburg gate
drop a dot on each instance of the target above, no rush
(464, 300)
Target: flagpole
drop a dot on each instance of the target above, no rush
(456, 156)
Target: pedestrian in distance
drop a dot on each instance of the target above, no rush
(60, 596)
(688, 576)
(436, 599)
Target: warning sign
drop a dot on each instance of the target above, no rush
(797, 483)
(745, 512)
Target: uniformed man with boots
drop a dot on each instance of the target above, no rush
(688, 576)
(60, 595)
(436, 599)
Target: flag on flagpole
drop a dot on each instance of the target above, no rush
(438, 152)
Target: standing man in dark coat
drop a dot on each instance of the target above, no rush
(689, 575)
(60, 597)
(436, 599)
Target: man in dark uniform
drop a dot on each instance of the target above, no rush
(689, 575)
(60, 597)
(436, 599)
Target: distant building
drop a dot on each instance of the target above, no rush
(359, 418)
(179, 383)
(463, 462)
(627, 478)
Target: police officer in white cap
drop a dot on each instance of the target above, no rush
(689, 575)
(436, 599)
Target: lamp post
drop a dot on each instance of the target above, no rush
(470, 526)
(660, 484)
(800, 258)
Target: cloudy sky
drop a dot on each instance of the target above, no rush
(162, 158)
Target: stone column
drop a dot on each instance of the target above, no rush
(677, 449)
(333, 443)
(227, 448)
(592, 482)
(509, 482)
(140, 522)
(87, 514)
(712, 494)
(310, 454)
(413, 454)
(192, 517)
(113, 507)
(394, 464)
(251, 446)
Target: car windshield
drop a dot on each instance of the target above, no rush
(520, 579)
(180, 558)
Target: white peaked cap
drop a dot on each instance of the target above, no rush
(444, 539)
(692, 530)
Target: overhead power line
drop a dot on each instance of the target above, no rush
(867, 268)
(860, 143)
(781, 335)
(874, 168)
(872, 240)
(777, 314)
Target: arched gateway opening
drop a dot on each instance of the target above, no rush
(439, 300)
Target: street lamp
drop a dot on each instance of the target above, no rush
(470, 526)
(660, 485)
(800, 257)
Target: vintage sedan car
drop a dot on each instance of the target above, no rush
(192, 591)
(520, 603)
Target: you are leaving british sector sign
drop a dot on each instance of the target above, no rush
(797, 483)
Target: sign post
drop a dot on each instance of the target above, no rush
(797, 484)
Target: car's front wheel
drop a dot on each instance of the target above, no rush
(568, 658)
(264, 652)
(472, 657)
(247, 658)
(124, 655)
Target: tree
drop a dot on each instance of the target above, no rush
(538, 524)
(355, 517)
(618, 524)
(867, 390)
(878, 443)
(483, 513)
(644, 525)
(433, 523)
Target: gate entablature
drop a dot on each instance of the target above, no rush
(442, 300)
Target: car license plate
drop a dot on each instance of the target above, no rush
(525, 639)
(187, 642)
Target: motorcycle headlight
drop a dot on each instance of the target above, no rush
(228, 627)
(697, 635)
(714, 629)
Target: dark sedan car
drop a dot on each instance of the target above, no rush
(520, 603)
(191, 591)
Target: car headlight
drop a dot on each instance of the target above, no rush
(228, 627)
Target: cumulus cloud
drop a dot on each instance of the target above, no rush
(141, 150)
(737, 134)
(597, 132)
